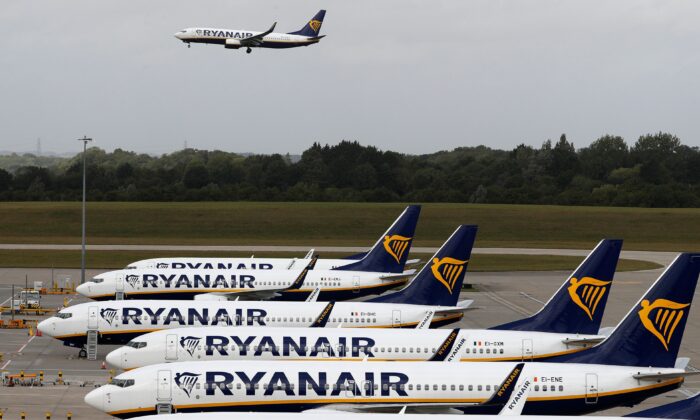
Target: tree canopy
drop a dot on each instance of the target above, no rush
(656, 171)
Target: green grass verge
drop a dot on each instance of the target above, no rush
(318, 224)
(119, 259)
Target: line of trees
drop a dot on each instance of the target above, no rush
(657, 171)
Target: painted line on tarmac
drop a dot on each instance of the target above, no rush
(503, 301)
(6, 364)
(25, 344)
(532, 298)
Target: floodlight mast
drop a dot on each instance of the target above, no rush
(85, 141)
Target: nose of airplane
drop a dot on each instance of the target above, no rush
(179, 34)
(46, 326)
(95, 398)
(114, 358)
(84, 289)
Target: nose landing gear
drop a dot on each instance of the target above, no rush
(248, 50)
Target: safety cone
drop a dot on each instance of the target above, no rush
(104, 365)
(38, 332)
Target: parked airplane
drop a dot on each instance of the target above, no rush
(688, 409)
(567, 323)
(378, 271)
(637, 361)
(435, 289)
(235, 39)
(394, 244)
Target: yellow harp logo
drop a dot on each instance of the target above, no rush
(396, 245)
(587, 292)
(664, 323)
(447, 270)
(315, 25)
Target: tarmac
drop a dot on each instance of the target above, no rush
(499, 298)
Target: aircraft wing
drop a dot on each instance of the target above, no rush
(255, 40)
(261, 294)
(423, 408)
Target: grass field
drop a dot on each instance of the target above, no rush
(119, 259)
(318, 224)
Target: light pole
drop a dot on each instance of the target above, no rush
(85, 141)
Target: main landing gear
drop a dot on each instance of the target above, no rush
(189, 45)
(248, 50)
(82, 354)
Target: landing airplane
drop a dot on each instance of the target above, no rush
(235, 39)
(567, 323)
(379, 270)
(435, 289)
(638, 360)
(395, 242)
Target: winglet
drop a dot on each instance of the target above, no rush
(505, 401)
(300, 278)
(313, 296)
(424, 324)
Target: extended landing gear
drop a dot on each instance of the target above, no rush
(82, 354)
(189, 45)
(248, 50)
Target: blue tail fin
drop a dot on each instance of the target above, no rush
(313, 27)
(651, 333)
(390, 252)
(578, 305)
(688, 408)
(440, 280)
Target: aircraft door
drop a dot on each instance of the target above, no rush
(591, 388)
(527, 350)
(171, 347)
(120, 283)
(396, 318)
(356, 284)
(164, 386)
(92, 318)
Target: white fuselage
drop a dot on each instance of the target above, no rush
(252, 263)
(341, 415)
(297, 386)
(231, 37)
(320, 344)
(174, 283)
(117, 322)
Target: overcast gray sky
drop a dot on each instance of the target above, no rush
(410, 76)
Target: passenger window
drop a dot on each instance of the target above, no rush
(444, 387)
(461, 387)
(544, 388)
(452, 387)
(501, 351)
(561, 388)
(418, 387)
(479, 388)
(471, 387)
(537, 387)
(488, 387)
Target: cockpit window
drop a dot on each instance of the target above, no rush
(183, 31)
(136, 344)
(97, 280)
(64, 315)
(130, 267)
(123, 383)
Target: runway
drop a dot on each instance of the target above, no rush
(658, 257)
(499, 298)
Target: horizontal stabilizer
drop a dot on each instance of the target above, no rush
(461, 307)
(660, 376)
(591, 340)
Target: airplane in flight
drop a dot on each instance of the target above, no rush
(636, 361)
(434, 291)
(235, 39)
(379, 270)
(569, 322)
(396, 241)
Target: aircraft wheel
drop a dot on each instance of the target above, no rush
(248, 51)
(82, 354)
